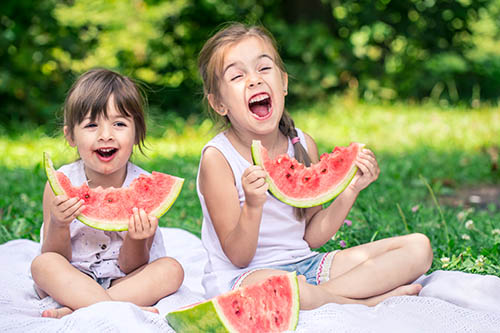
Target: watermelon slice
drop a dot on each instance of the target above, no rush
(268, 306)
(301, 186)
(109, 209)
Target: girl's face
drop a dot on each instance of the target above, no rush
(105, 145)
(252, 88)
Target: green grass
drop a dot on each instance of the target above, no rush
(424, 152)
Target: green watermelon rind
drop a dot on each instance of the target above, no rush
(117, 225)
(208, 316)
(202, 317)
(305, 202)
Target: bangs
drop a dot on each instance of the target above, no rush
(90, 95)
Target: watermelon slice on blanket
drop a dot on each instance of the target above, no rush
(109, 209)
(301, 186)
(268, 306)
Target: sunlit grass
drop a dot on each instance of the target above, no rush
(391, 128)
(424, 152)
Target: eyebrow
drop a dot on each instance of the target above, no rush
(234, 63)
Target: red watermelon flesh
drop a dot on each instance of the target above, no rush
(269, 306)
(110, 208)
(301, 186)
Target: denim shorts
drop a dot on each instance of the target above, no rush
(316, 269)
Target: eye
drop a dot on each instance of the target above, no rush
(236, 77)
(120, 124)
(265, 68)
(90, 125)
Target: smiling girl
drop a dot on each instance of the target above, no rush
(250, 235)
(78, 265)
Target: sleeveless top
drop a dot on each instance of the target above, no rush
(95, 252)
(281, 235)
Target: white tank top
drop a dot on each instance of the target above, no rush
(96, 251)
(281, 235)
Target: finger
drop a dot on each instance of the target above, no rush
(364, 170)
(146, 226)
(153, 221)
(76, 213)
(75, 210)
(368, 152)
(60, 199)
(69, 204)
(255, 175)
(131, 224)
(70, 210)
(137, 221)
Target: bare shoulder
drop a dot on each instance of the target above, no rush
(312, 148)
(214, 168)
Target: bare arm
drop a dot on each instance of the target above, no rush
(58, 213)
(134, 251)
(322, 224)
(237, 227)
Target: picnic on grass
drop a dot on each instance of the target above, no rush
(276, 224)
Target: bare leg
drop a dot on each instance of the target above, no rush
(311, 296)
(67, 285)
(143, 287)
(148, 284)
(380, 268)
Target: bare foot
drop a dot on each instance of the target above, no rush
(406, 290)
(150, 309)
(57, 313)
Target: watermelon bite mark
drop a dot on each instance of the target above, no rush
(110, 209)
(301, 186)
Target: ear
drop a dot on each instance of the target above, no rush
(214, 104)
(285, 83)
(68, 136)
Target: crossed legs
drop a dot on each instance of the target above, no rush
(366, 274)
(55, 276)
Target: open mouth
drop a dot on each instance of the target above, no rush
(106, 152)
(260, 105)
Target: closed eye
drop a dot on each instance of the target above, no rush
(236, 77)
(265, 68)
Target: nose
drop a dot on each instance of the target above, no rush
(105, 133)
(254, 81)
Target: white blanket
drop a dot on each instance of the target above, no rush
(449, 301)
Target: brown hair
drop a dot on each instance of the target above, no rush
(210, 63)
(90, 95)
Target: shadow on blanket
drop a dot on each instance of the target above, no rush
(449, 301)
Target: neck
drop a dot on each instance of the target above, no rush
(276, 143)
(115, 179)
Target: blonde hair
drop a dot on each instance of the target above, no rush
(210, 63)
(90, 95)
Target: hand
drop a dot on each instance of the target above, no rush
(255, 186)
(141, 226)
(368, 170)
(63, 210)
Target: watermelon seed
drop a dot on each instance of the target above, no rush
(292, 167)
(110, 200)
(288, 175)
(307, 178)
(87, 196)
(323, 171)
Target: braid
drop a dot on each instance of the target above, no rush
(287, 127)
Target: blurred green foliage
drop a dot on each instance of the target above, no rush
(447, 51)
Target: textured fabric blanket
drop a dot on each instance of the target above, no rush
(449, 301)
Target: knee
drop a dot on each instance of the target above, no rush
(44, 262)
(421, 250)
(170, 270)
